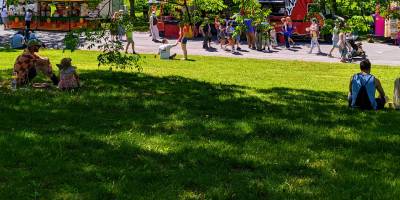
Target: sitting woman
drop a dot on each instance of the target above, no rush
(396, 94)
(69, 79)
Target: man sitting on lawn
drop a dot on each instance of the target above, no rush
(28, 63)
(17, 41)
(164, 50)
(362, 89)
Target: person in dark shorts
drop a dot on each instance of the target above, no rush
(362, 89)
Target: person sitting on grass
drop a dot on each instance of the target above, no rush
(32, 35)
(362, 89)
(28, 63)
(69, 79)
(18, 41)
(165, 48)
(396, 94)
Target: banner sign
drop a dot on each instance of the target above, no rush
(290, 4)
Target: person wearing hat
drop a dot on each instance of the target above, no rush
(28, 63)
(69, 79)
(153, 27)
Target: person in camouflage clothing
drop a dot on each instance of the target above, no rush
(28, 63)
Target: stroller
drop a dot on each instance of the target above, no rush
(355, 49)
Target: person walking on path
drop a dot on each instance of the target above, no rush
(335, 39)
(217, 24)
(222, 35)
(205, 30)
(28, 19)
(129, 38)
(285, 32)
(154, 29)
(250, 33)
(314, 33)
(230, 31)
(4, 18)
(343, 47)
(183, 39)
(290, 29)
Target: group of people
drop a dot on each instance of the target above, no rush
(164, 49)
(363, 87)
(28, 64)
(28, 17)
(20, 39)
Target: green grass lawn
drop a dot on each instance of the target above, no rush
(212, 128)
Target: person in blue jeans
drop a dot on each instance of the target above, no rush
(285, 32)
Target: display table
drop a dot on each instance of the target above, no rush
(50, 23)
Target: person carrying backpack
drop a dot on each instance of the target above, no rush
(362, 89)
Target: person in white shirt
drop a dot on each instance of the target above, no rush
(28, 19)
(153, 27)
(4, 17)
(165, 50)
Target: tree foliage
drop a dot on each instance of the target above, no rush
(357, 13)
(101, 38)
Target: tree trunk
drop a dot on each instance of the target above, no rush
(132, 8)
(188, 12)
(334, 7)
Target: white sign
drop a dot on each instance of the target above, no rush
(290, 4)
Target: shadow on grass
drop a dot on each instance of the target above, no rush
(130, 136)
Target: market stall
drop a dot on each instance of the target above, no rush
(61, 15)
(388, 25)
(169, 18)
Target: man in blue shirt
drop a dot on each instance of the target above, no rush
(18, 41)
(250, 33)
(362, 89)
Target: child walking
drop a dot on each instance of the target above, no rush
(222, 35)
(129, 38)
(231, 38)
(314, 32)
(335, 39)
(69, 79)
(342, 47)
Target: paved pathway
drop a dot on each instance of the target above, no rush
(378, 53)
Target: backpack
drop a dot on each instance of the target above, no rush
(362, 100)
(155, 21)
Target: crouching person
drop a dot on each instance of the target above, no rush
(362, 88)
(165, 50)
(28, 63)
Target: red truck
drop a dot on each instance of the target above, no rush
(297, 10)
